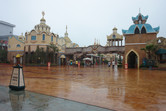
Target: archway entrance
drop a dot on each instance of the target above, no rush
(132, 60)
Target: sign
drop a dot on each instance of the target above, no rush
(17, 79)
(14, 79)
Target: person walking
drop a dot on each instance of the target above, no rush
(113, 64)
(109, 63)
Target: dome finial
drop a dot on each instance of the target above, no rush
(43, 13)
(66, 28)
(139, 10)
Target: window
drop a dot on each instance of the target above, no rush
(143, 30)
(33, 37)
(136, 30)
(114, 36)
(51, 38)
(43, 37)
(18, 45)
(26, 37)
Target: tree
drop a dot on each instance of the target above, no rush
(150, 50)
(3, 52)
(54, 49)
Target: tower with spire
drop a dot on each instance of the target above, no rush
(136, 37)
(66, 34)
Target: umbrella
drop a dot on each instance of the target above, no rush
(89, 59)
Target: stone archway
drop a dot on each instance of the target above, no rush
(132, 59)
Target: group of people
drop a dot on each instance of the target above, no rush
(113, 63)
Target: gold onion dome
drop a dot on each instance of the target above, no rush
(42, 26)
(115, 28)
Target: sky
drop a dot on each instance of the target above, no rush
(87, 20)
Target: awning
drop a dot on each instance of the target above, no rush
(161, 51)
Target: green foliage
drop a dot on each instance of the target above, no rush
(54, 50)
(150, 50)
(3, 55)
(40, 56)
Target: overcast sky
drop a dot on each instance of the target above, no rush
(86, 19)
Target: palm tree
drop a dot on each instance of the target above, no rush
(55, 50)
(150, 50)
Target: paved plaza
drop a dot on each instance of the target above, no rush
(99, 87)
(29, 101)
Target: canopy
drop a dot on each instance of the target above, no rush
(161, 51)
(89, 59)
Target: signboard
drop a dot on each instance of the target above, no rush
(14, 79)
(21, 78)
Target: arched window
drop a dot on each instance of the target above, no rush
(136, 30)
(43, 37)
(143, 30)
(26, 37)
(114, 36)
(33, 37)
(18, 45)
(51, 38)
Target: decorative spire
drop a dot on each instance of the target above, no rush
(66, 28)
(43, 13)
(66, 34)
(139, 10)
(43, 20)
(95, 41)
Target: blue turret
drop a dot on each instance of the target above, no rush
(140, 26)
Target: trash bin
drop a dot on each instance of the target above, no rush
(126, 66)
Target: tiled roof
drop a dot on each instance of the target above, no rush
(16, 37)
(148, 28)
(137, 17)
(140, 25)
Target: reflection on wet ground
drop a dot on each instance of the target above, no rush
(116, 89)
(29, 101)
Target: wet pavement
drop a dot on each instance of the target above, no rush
(118, 89)
(29, 101)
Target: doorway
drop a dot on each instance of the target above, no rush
(132, 60)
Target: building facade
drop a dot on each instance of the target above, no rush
(38, 38)
(6, 30)
(136, 38)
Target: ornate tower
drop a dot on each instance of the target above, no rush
(114, 39)
(135, 38)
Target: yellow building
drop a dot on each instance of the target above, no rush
(38, 38)
(15, 46)
(115, 39)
